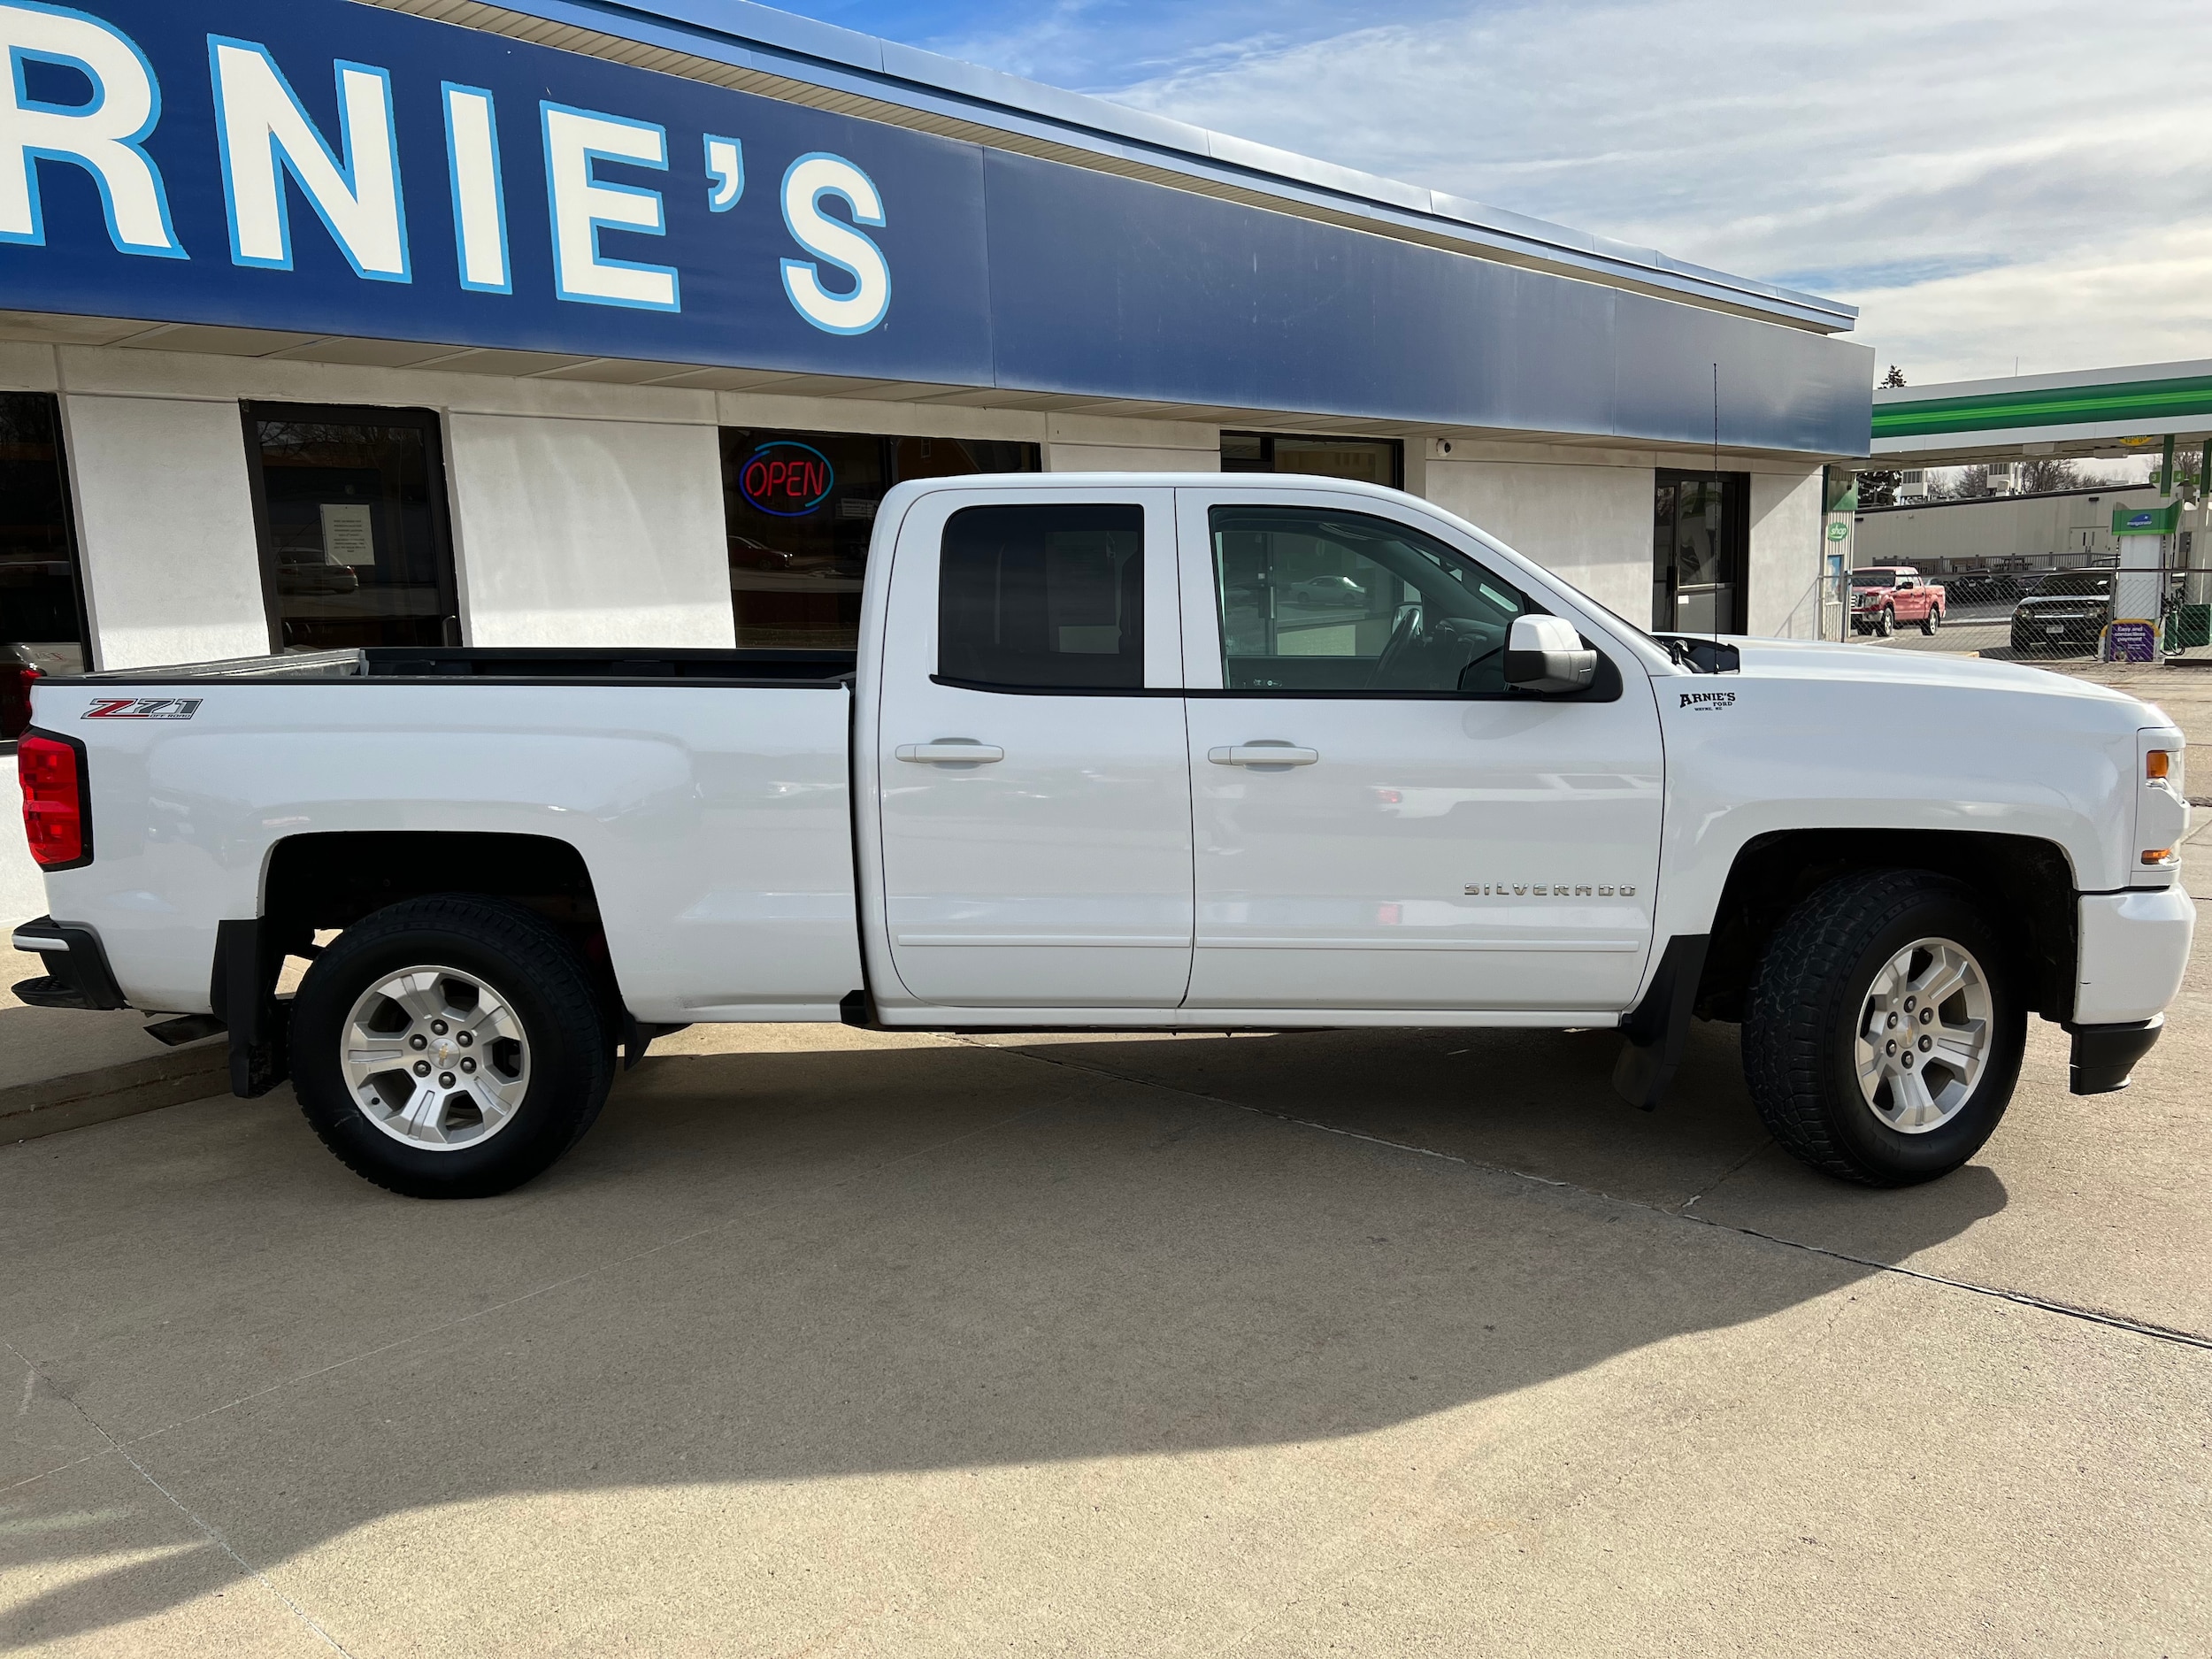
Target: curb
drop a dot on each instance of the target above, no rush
(31, 1110)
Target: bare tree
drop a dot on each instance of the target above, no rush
(2047, 475)
(1895, 377)
(1966, 483)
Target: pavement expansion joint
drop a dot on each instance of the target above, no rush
(2020, 1298)
(177, 1503)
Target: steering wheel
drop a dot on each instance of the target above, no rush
(1409, 631)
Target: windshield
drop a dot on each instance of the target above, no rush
(2075, 582)
(1874, 579)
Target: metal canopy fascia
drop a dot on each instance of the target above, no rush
(277, 347)
(754, 48)
(2098, 412)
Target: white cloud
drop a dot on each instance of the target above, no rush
(1987, 179)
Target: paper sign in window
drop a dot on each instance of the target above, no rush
(348, 533)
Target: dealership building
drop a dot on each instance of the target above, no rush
(330, 323)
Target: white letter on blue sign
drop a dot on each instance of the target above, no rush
(480, 202)
(103, 136)
(805, 183)
(260, 125)
(582, 206)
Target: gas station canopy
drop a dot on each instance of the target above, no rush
(2105, 412)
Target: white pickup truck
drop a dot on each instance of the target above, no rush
(1119, 752)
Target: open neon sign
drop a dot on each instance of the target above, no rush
(787, 480)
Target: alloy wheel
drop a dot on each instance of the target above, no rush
(1924, 1035)
(436, 1057)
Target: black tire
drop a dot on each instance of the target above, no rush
(1885, 623)
(1807, 999)
(529, 965)
(1933, 620)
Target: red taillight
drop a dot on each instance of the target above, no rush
(55, 813)
(15, 698)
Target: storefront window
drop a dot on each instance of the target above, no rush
(355, 544)
(1366, 460)
(42, 610)
(1699, 546)
(800, 507)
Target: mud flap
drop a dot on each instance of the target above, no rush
(1657, 1029)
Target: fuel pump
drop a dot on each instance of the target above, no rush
(2145, 536)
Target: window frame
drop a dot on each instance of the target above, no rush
(73, 535)
(1204, 666)
(1145, 560)
(912, 583)
(431, 425)
(1270, 440)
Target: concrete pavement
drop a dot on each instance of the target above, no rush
(838, 1343)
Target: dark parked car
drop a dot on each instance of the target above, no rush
(2064, 615)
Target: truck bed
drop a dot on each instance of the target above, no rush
(507, 664)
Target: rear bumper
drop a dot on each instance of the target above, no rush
(2104, 1056)
(77, 971)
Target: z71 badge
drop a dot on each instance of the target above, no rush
(143, 708)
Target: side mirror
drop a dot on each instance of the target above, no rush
(1544, 654)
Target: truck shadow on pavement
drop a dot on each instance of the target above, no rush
(791, 1264)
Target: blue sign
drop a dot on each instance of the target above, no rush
(336, 168)
(326, 168)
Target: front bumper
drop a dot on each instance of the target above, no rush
(77, 972)
(2104, 1056)
(2133, 948)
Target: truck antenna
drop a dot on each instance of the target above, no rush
(1723, 504)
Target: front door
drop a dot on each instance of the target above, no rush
(1033, 773)
(1701, 526)
(1380, 822)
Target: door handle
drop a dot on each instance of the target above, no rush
(950, 750)
(1263, 754)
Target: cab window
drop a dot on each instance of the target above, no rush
(1042, 598)
(1314, 600)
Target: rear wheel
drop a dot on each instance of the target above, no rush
(1933, 620)
(449, 1047)
(1883, 1034)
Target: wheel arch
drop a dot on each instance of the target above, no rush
(326, 879)
(2026, 886)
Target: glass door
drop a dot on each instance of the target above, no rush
(356, 545)
(1699, 540)
(42, 602)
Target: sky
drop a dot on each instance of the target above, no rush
(2000, 185)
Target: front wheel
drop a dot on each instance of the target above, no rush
(1885, 623)
(450, 1046)
(1885, 1032)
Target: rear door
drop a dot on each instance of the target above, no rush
(1381, 822)
(1033, 775)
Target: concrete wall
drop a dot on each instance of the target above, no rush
(1787, 546)
(1587, 515)
(1590, 524)
(1130, 445)
(2039, 529)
